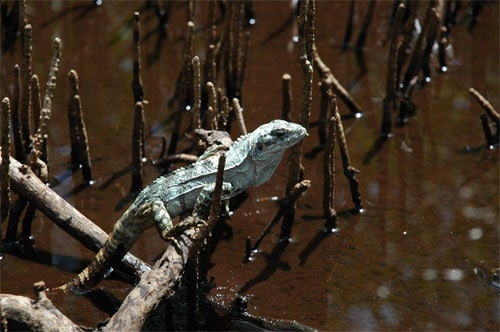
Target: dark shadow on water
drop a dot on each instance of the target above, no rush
(27, 250)
(314, 152)
(222, 231)
(273, 263)
(320, 236)
(104, 301)
(279, 30)
(125, 201)
(31, 253)
(76, 190)
(363, 69)
(115, 177)
(83, 9)
(376, 147)
(313, 245)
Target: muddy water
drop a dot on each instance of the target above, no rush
(430, 197)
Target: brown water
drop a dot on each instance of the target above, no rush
(431, 203)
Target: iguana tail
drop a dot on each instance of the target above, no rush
(108, 256)
(123, 236)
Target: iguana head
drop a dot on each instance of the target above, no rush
(268, 143)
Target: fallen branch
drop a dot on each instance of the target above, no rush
(33, 190)
(36, 315)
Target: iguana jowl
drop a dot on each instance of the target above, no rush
(250, 161)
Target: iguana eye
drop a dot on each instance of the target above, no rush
(280, 133)
(260, 146)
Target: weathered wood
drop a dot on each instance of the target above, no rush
(158, 283)
(31, 188)
(37, 315)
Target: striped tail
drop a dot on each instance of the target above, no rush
(108, 257)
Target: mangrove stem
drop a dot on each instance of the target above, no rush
(137, 148)
(26, 86)
(286, 89)
(349, 171)
(19, 151)
(329, 173)
(5, 185)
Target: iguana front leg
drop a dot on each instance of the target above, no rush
(163, 222)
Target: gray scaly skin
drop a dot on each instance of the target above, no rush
(250, 161)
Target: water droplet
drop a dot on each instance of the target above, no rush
(453, 274)
(476, 233)
(429, 274)
(466, 192)
(383, 292)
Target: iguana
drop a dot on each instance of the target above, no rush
(250, 161)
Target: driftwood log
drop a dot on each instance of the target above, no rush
(32, 189)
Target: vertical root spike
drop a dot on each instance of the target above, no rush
(349, 171)
(73, 131)
(286, 89)
(4, 171)
(329, 173)
(195, 111)
(20, 153)
(212, 106)
(40, 137)
(216, 201)
(137, 80)
(36, 101)
(224, 114)
(25, 106)
(137, 148)
(238, 112)
(83, 144)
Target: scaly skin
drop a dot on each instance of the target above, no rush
(250, 161)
